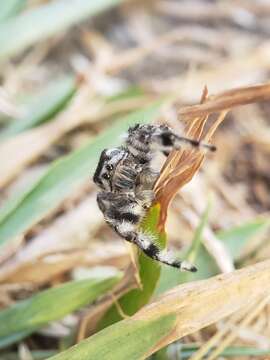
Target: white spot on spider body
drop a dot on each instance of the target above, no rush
(186, 265)
(126, 227)
(166, 256)
(144, 240)
(133, 151)
(137, 209)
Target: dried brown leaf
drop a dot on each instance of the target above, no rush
(181, 165)
(228, 100)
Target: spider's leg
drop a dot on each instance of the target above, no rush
(121, 211)
(145, 197)
(165, 140)
(144, 141)
(124, 214)
(125, 178)
(146, 244)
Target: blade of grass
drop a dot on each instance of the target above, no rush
(179, 312)
(187, 350)
(16, 197)
(5, 341)
(53, 304)
(244, 351)
(47, 20)
(64, 176)
(10, 8)
(237, 237)
(171, 277)
(43, 106)
(131, 92)
(126, 340)
(35, 355)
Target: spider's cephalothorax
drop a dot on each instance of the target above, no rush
(126, 178)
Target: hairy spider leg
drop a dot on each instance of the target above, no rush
(144, 140)
(146, 243)
(124, 214)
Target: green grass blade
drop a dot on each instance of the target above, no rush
(17, 196)
(125, 340)
(187, 350)
(47, 20)
(64, 176)
(197, 239)
(52, 304)
(236, 238)
(10, 8)
(149, 271)
(171, 277)
(35, 355)
(43, 106)
(6, 341)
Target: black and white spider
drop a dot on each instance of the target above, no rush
(126, 178)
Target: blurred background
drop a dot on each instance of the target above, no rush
(71, 73)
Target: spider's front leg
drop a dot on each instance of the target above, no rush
(165, 140)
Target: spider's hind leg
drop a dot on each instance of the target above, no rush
(147, 245)
(163, 256)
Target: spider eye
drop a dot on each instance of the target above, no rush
(106, 176)
(109, 167)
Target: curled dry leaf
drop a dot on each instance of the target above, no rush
(181, 165)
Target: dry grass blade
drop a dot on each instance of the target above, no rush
(229, 330)
(227, 100)
(211, 300)
(247, 320)
(47, 267)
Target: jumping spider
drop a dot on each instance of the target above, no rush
(126, 178)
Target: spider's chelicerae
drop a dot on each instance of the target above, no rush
(126, 178)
